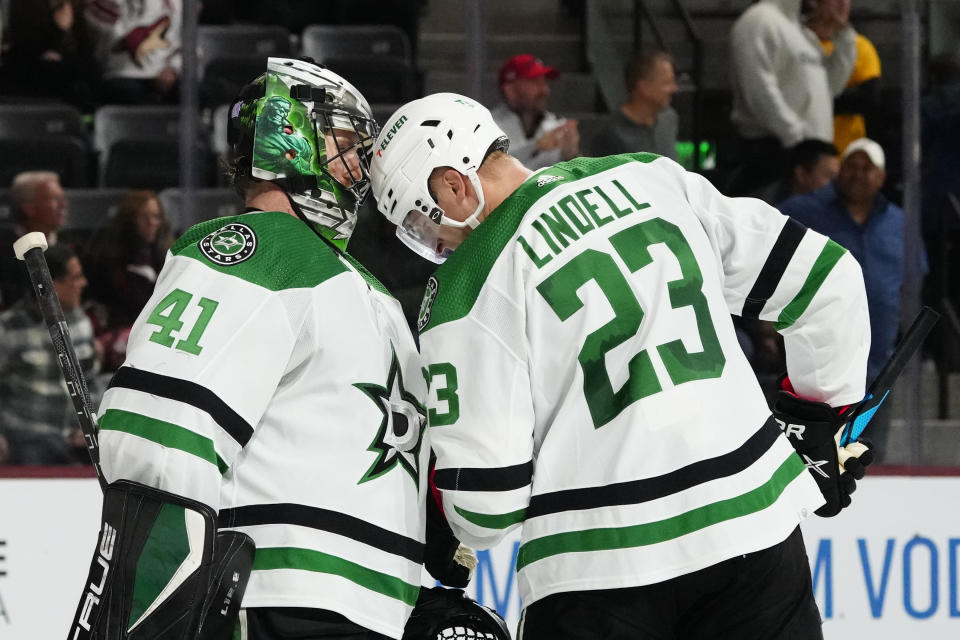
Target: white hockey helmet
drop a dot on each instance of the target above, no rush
(440, 130)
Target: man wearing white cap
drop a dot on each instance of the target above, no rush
(854, 214)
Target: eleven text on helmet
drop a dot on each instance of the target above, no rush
(396, 127)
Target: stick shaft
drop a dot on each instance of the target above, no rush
(881, 386)
(56, 323)
(905, 349)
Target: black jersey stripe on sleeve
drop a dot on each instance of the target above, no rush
(323, 520)
(495, 479)
(187, 392)
(648, 489)
(773, 269)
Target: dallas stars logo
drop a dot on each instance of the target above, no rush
(229, 245)
(400, 434)
(426, 305)
(228, 242)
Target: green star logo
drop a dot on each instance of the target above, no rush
(400, 433)
(229, 245)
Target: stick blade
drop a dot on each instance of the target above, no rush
(29, 241)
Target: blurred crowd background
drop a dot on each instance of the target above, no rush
(845, 114)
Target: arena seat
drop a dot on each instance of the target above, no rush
(321, 41)
(138, 147)
(208, 203)
(67, 156)
(229, 40)
(379, 78)
(42, 120)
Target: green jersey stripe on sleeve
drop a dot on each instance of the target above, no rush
(310, 560)
(461, 276)
(165, 434)
(655, 532)
(493, 521)
(829, 256)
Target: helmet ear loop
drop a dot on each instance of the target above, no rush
(473, 220)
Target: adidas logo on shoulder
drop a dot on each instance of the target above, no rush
(547, 179)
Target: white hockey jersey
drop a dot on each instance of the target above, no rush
(278, 382)
(586, 381)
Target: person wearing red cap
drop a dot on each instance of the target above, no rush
(538, 138)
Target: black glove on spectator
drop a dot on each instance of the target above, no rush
(811, 428)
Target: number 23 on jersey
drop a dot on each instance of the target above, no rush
(561, 292)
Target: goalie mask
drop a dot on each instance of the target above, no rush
(300, 125)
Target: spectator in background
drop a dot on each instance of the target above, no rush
(859, 102)
(123, 261)
(38, 204)
(645, 122)
(138, 45)
(37, 419)
(783, 85)
(538, 138)
(49, 54)
(940, 120)
(855, 214)
(811, 164)
(940, 126)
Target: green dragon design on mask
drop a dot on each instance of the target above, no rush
(281, 147)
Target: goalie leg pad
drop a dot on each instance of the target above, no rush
(232, 562)
(151, 572)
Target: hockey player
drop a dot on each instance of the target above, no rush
(586, 382)
(272, 388)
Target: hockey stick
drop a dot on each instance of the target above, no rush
(883, 383)
(232, 557)
(30, 248)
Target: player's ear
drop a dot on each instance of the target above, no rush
(454, 182)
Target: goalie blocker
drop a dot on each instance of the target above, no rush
(161, 570)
